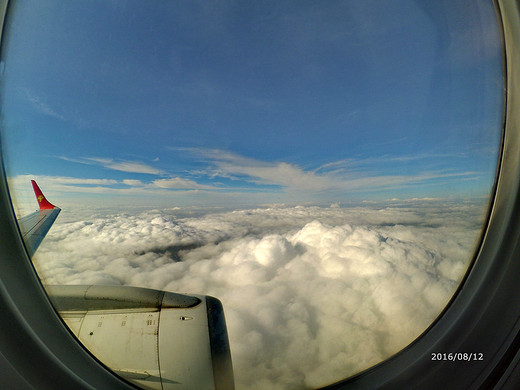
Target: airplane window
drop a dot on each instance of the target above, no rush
(323, 169)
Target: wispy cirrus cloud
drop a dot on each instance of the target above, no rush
(117, 165)
(228, 176)
(126, 166)
(368, 163)
(284, 174)
(344, 175)
(40, 104)
(60, 188)
(63, 185)
(132, 182)
(178, 183)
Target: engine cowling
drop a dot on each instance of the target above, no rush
(155, 339)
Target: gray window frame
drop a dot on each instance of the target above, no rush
(483, 317)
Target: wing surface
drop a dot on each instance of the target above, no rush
(35, 226)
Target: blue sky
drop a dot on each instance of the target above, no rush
(252, 102)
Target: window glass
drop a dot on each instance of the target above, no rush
(323, 168)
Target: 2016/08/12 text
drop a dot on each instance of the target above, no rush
(458, 356)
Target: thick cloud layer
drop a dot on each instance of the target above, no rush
(311, 294)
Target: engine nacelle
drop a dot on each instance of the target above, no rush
(155, 339)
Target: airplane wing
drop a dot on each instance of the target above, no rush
(155, 339)
(35, 226)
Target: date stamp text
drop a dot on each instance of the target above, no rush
(458, 356)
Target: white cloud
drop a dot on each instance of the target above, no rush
(311, 294)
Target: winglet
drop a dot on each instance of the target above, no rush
(42, 201)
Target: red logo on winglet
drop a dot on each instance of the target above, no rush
(43, 202)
